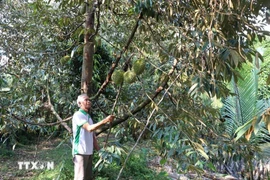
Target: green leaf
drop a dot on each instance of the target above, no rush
(211, 166)
(235, 57)
(242, 129)
(268, 80)
(163, 161)
(193, 87)
(200, 149)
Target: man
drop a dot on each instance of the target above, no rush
(84, 139)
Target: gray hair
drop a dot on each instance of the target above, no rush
(81, 98)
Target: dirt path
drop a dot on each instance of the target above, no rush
(10, 168)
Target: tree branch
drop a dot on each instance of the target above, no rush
(39, 124)
(55, 113)
(114, 65)
(140, 106)
(145, 127)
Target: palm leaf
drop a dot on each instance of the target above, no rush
(243, 111)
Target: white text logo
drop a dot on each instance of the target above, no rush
(35, 165)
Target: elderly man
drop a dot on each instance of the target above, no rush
(84, 139)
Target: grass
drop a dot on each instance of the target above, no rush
(39, 152)
(58, 151)
(135, 169)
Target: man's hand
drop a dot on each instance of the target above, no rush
(110, 118)
(95, 126)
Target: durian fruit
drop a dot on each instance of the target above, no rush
(129, 77)
(64, 59)
(118, 77)
(138, 66)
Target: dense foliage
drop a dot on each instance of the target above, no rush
(192, 49)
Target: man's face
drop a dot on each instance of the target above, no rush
(86, 103)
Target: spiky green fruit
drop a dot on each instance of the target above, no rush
(64, 59)
(138, 66)
(129, 77)
(118, 77)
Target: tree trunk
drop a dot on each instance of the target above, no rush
(88, 51)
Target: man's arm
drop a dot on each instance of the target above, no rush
(95, 126)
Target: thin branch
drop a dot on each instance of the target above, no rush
(114, 105)
(114, 65)
(55, 113)
(115, 47)
(139, 108)
(145, 127)
(132, 149)
(39, 124)
(143, 104)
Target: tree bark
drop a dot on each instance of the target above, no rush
(88, 51)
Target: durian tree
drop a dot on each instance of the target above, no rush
(171, 55)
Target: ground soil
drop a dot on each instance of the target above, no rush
(41, 149)
(37, 151)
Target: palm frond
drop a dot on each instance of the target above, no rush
(243, 111)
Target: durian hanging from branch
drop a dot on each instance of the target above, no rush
(118, 77)
(129, 77)
(138, 66)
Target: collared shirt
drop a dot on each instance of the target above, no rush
(82, 139)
